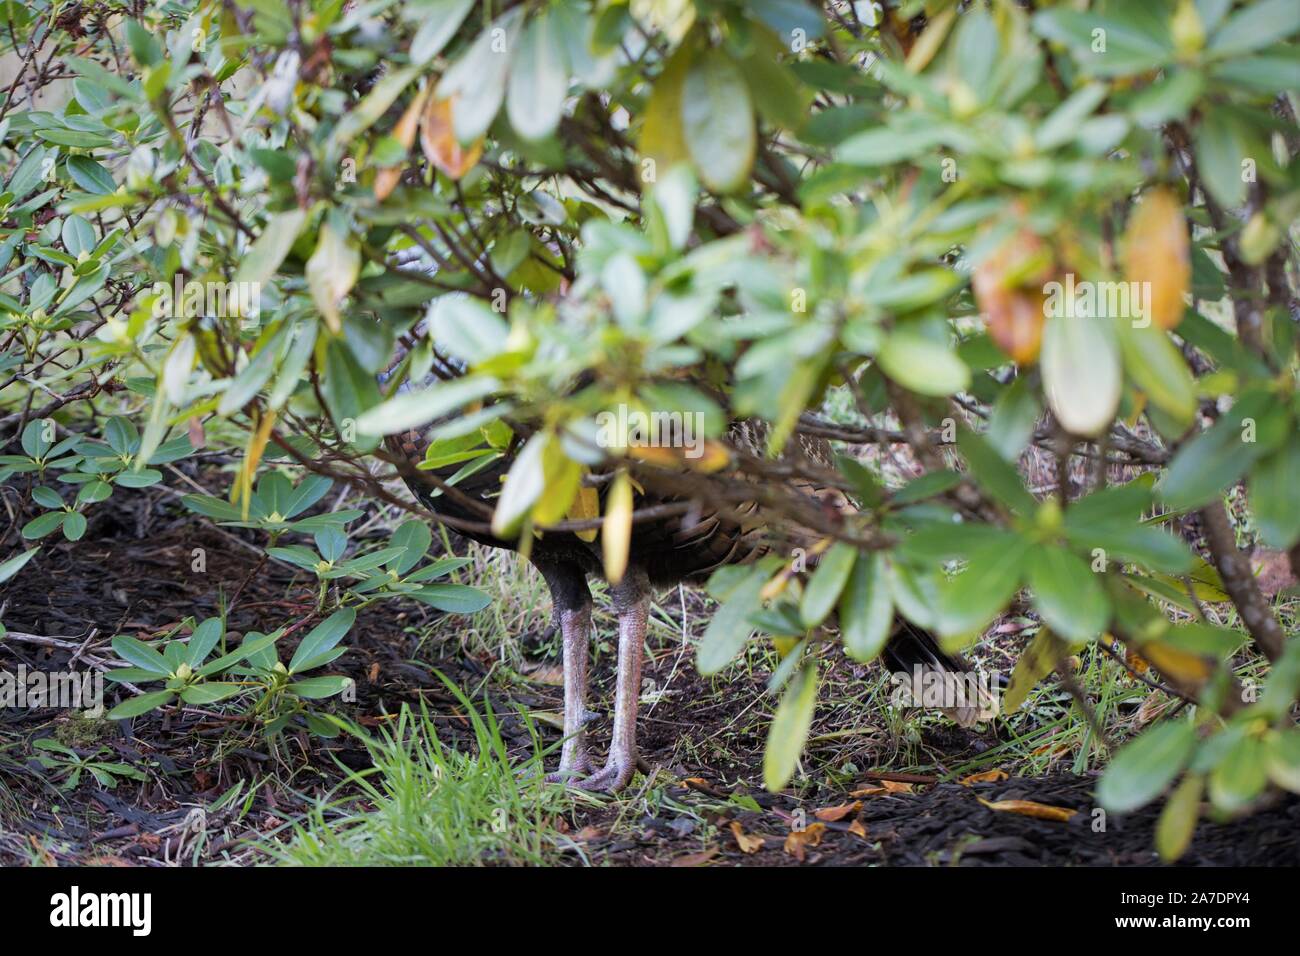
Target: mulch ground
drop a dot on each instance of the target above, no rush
(132, 574)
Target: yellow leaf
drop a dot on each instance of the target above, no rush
(331, 272)
(562, 476)
(662, 140)
(616, 531)
(1037, 661)
(1177, 821)
(585, 506)
(1174, 662)
(242, 493)
(1157, 251)
(1027, 808)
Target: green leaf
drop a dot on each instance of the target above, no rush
(923, 365)
(415, 537)
(1255, 25)
(478, 79)
(42, 525)
(15, 564)
(1282, 758)
(1144, 767)
(1240, 776)
(866, 609)
(1067, 594)
(730, 628)
(1156, 366)
(827, 582)
(205, 637)
(322, 638)
(264, 258)
(539, 79)
(452, 598)
(210, 692)
(974, 597)
(524, 484)
(994, 473)
(141, 704)
(1207, 465)
(467, 328)
(790, 726)
(1272, 496)
(1081, 372)
(440, 19)
(316, 688)
(1219, 153)
(381, 96)
(718, 122)
(141, 655)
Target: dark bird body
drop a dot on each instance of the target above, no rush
(664, 551)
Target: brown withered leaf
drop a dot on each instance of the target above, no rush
(797, 843)
(832, 814)
(438, 140)
(1008, 287)
(748, 842)
(694, 859)
(897, 786)
(1156, 250)
(1027, 808)
(986, 776)
(857, 829)
(550, 674)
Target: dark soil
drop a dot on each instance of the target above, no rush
(133, 575)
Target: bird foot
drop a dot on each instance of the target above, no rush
(579, 766)
(613, 776)
(571, 774)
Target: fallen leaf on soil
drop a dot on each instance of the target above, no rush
(885, 786)
(548, 717)
(694, 859)
(1027, 808)
(373, 676)
(587, 834)
(548, 674)
(797, 843)
(857, 829)
(986, 776)
(748, 842)
(831, 814)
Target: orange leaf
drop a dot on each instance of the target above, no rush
(1008, 288)
(987, 776)
(404, 132)
(857, 829)
(438, 140)
(831, 814)
(797, 843)
(748, 842)
(1027, 808)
